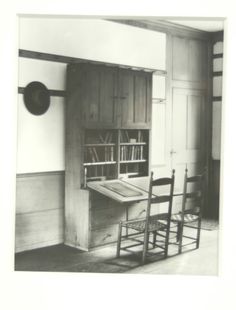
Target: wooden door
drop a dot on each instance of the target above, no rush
(108, 97)
(134, 99)
(93, 90)
(188, 132)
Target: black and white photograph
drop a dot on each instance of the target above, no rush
(118, 155)
(118, 145)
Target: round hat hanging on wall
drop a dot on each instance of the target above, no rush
(36, 98)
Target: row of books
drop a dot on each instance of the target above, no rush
(93, 155)
(131, 152)
(132, 137)
(106, 138)
(99, 171)
(99, 137)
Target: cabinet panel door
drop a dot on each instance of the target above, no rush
(108, 97)
(142, 99)
(135, 99)
(89, 95)
(125, 113)
(97, 90)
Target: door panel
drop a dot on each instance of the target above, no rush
(135, 99)
(194, 119)
(90, 98)
(189, 59)
(126, 97)
(188, 138)
(108, 100)
(140, 109)
(96, 94)
(180, 59)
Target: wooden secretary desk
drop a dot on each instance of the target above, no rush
(108, 121)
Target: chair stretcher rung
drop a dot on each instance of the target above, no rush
(153, 254)
(131, 235)
(159, 246)
(158, 234)
(129, 251)
(130, 246)
(188, 237)
(189, 243)
(194, 227)
(137, 242)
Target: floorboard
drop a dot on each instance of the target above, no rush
(61, 258)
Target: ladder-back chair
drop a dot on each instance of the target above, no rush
(191, 213)
(137, 231)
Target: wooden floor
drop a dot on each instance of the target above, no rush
(61, 258)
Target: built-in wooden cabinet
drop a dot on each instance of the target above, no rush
(111, 97)
(108, 120)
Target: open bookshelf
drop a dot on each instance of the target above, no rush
(133, 152)
(99, 154)
(111, 154)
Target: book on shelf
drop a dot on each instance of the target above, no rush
(91, 155)
(100, 137)
(109, 153)
(106, 138)
(140, 136)
(124, 136)
(131, 152)
(133, 137)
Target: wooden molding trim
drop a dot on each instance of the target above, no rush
(74, 60)
(35, 174)
(52, 92)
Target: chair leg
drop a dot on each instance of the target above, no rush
(178, 231)
(119, 240)
(154, 239)
(181, 228)
(198, 233)
(145, 247)
(167, 241)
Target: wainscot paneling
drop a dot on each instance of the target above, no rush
(39, 210)
(39, 229)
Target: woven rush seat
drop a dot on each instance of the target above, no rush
(187, 218)
(154, 224)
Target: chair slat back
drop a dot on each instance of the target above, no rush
(165, 198)
(161, 199)
(162, 181)
(195, 195)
